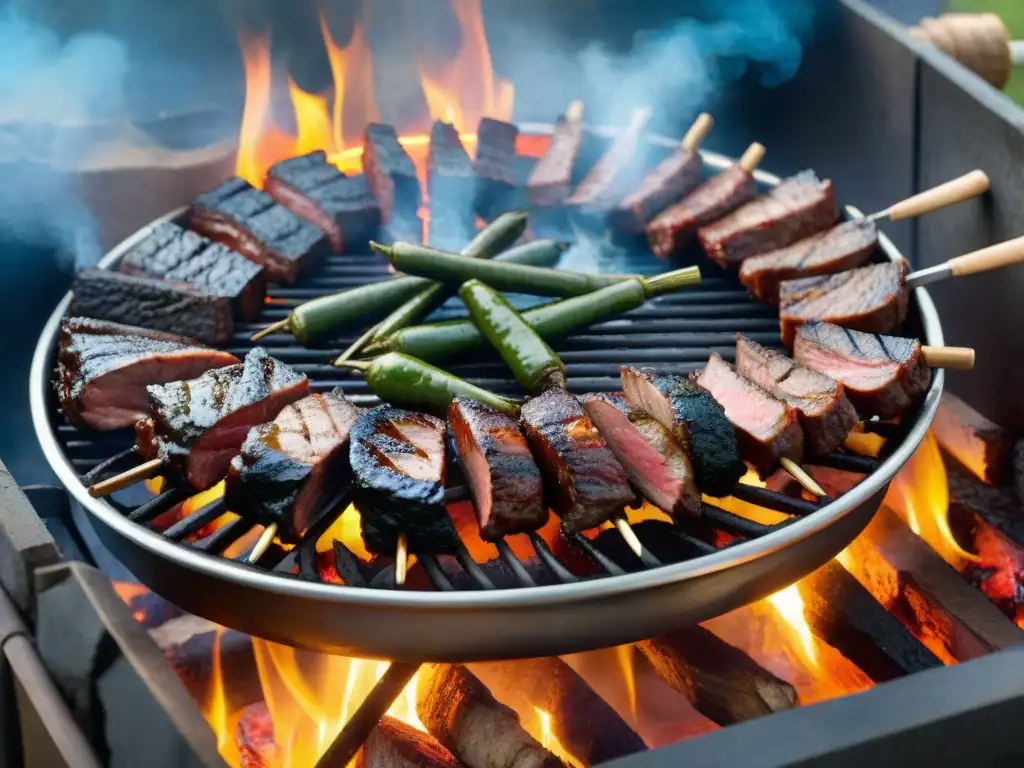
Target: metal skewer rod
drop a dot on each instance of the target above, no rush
(993, 257)
(263, 544)
(966, 187)
(132, 476)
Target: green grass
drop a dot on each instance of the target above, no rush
(1012, 12)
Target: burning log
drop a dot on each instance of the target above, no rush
(1018, 470)
(393, 744)
(495, 168)
(980, 445)
(995, 506)
(254, 738)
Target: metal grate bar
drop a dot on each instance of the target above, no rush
(159, 504)
(514, 564)
(436, 573)
(224, 537)
(191, 524)
(606, 564)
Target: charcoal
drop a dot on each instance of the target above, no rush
(390, 172)
(496, 169)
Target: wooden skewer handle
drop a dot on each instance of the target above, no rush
(952, 192)
(993, 257)
(574, 113)
(954, 358)
(698, 132)
(134, 475)
(752, 157)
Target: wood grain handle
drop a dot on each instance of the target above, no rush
(954, 358)
(952, 192)
(698, 132)
(752, 157)
(574, 113)
(993, 257)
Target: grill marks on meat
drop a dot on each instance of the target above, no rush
(103, 369)
(398, 458)
(252, 223)
(289, 468)
(393, 744)
(197, 427)
(883, 375)
(503, 478)
(826, 413)
(550, 181)
(675, 176)
(340, 206)
(767, 429)
(495, 167)
(797, 208)
(160, 305)
(846, 246)
(390, 172)
(584, 482)
(696, 420)
(451, 186)
(655, 462)
(872, 299)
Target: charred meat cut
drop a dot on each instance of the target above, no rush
(103, 369)
(398, 459)
(676, 176)
(390, 172)
(550, 181)
(696, 420)
(503, 478)
(586, 485)
(495, 167)
(450, 184)
(393, 744)
(159, 305)
(826, 413)
(612, 176)
(288, 468)
(254, 224)
(197, 427)
(883, 375)
(657, 465)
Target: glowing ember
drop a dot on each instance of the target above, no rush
(790, 606)
(550, 742)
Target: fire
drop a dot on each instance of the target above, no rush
(550, 742)
(313, 120)
(217, 705)
(790, 606)
(352, 71)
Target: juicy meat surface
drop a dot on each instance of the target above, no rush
(197, 427)
(287, 469)
(390, 172)
(655, 462)
(846, 246)
(156, 304)
(696, 420)
(612, 176)
(393, 744)
(826, 413)
(872, 299)
(503, 478)
(495, 168)
(675, 176)
(103, 369)
(883, 375)
(585, 484)
(398, 459)
(797, 208)
(550, 181)
(767, 429)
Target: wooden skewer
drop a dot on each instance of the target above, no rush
(114, 484)
(574, 113)
(993, 257)
(953, 358)
(958, 190)
(797, 472)
(698, 132)
(358, 344)
(752, 157)
(401, 559)
(278, 326)
(263, 544)
(627, 532)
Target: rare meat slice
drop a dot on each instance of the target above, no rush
(393, 744)
(872, 299)
(103, 369)
(585, 484)
(845, 246)
(550, 180)
(826, 413)
(696, 420)
(672, 230)
(883, 375)
(614, 174)
(197, 427)
(254, 224)
(767, 429)
(159, 305)
(495, 168)
(503, 478)
(340, 206)
(390, 172)
(657, 465)
(290, 467)
(398, 459)
(799, 207)
(675, 176)
(171, 253)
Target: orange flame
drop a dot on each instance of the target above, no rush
(550, 742)
(352, 70)
(313, 121)
(790, 606)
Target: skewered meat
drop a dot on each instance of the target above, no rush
(495, 168)
(696, 420)
(290, 467)
(452, 186)
(169, 252)
(503, 478)
(799, 207)
(252, 223)
(767, 429)
(613, 175)
(883, 375)
(390, 172)
(872, 299)
(197, 427)
(103, 369)
(341, 206)
(156, 304)
(585, 483)
(846, 246)
(393, 744)
(655, 462)
(826, 413)
(675, 176)
(398, 458)
(550, 181)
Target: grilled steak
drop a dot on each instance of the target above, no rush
(883, 375)
(612, 176)
(495, 168)
(826, 413)
(340, 206)
(675, 176)
(398, 459)
(503, 478)
(673, 229)
(390, 172)
(696, 420)
(845, 246)
(872, 299)
(103, 369)
(159, 305)
(197, 427)
(799, 207)
(767, 429)
(550, 181)
(585, 483)
(655, 462)
(252, 223)
(289, 468)
(451, 185)
(393, 744)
